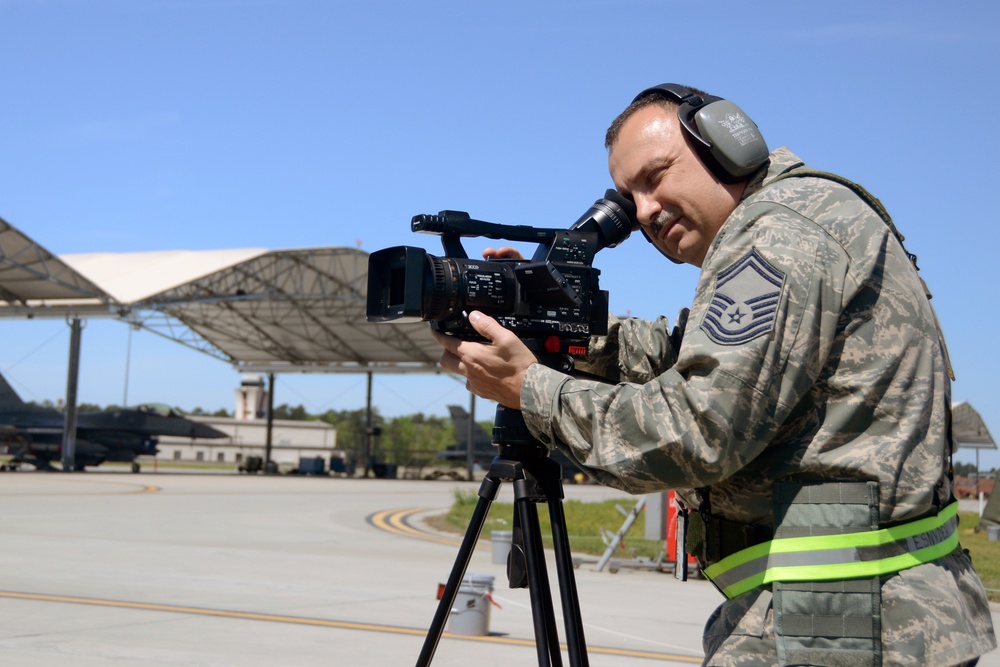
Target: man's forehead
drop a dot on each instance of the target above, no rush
(656, 123)
(648, 135)
(652, 124)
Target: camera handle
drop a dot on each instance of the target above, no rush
(525, 462)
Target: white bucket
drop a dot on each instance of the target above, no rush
(500, 541)
(471, 613)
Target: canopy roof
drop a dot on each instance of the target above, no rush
(286, 310)
(131, 277)
(294, 310)
(30, 276)
(969, 428)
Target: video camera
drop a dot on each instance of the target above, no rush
(553, 297)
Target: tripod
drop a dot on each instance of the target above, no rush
(536, 478)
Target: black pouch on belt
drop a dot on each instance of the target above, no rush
(834, 623)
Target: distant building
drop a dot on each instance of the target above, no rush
(291, 440)
(970, 487)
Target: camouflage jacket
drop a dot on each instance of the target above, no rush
(810, 352)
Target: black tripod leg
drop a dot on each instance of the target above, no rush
(526, 463)
(487, 494)
(567, 586)
(542, 611)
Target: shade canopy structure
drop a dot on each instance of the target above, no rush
(33, 281)
(969, 429)
(260, 310)
(293, 310)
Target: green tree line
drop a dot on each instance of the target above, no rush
(407, 440)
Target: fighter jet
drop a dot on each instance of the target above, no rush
(34, 434)
(483, 450)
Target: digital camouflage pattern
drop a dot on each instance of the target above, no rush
(811, 353)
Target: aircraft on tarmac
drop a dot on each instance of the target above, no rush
(34, 434)
(483, 450)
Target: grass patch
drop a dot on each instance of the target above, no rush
(585, 521)
(985, 554)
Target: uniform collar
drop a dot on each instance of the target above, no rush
(779, 162)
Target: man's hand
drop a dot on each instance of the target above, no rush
(494, 371)
(504, 252)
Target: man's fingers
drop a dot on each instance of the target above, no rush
(449, 361)
(505, 252)
(485, 326)
(493, 370)
(447, 342)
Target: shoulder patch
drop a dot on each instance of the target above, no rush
(745, 301)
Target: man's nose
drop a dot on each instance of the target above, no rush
(646, 209)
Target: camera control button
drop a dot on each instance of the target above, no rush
(544, 437)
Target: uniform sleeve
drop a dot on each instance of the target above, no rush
(634, 350)
(762, 323)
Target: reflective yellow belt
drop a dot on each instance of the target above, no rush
(837, 557)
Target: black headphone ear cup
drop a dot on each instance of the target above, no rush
(732, 139)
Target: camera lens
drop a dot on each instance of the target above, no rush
(454, 285)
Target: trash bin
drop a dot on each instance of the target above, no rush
(385, 470)
(500, 541)
(311, 466)
(993, 533)
(471, 613)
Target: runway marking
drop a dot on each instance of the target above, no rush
(398, 522)
(342, 625)
(133, 488)
(149, 488)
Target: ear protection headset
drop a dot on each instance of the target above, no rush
(727, 141)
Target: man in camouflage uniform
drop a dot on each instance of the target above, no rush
(810, 355)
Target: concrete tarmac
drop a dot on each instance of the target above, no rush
(114, 569)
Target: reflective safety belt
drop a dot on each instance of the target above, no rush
(838, 557)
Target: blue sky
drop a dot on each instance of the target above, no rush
(200, 124)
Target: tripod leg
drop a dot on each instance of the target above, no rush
(487, 494)
(542, 611)
(567, 586)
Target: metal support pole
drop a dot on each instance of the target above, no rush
(72, 379)
(270, 422)
(369, 428)
(977, 470)
(128, 365)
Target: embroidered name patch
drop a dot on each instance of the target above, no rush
(745, 300)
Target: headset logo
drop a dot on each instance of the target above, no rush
(741, 129)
